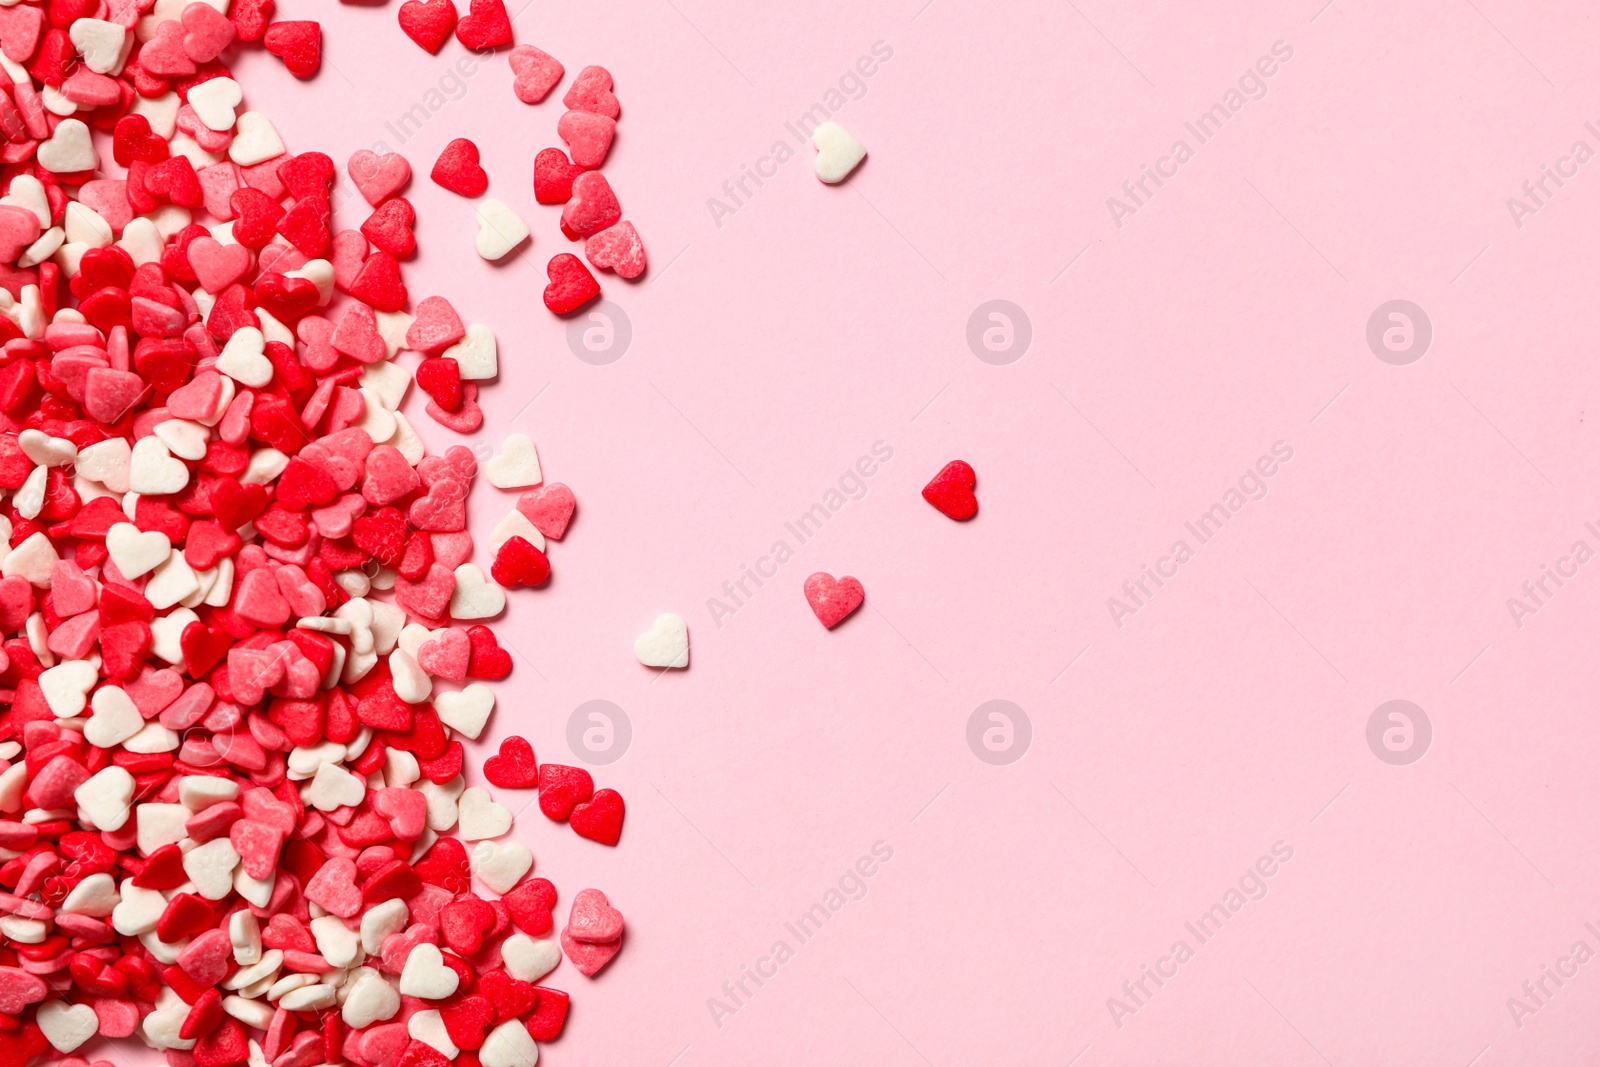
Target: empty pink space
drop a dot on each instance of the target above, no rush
(1251, 718)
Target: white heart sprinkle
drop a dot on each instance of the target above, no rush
(466, 710)
(68, 1027)
(153, 470)
(254, 140)
(70, 150)
(517, 465)
(137, 552)
(515, 524)
(665, 645)
(244, 358)
(116, 718)
(100, 43)
(838, 153)
(105, 798)
(481, 817)
(210, 867)
(501, 864)
(107, 462)
(428, 1027)
(509, 1045)
(372, 999)
(214, 100)
(499, 229)
(426, 976)
(528, 960)
(477, 353)
(475, 597)
(334, 787)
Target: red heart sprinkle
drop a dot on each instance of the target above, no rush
(951, 491)
(833, 600)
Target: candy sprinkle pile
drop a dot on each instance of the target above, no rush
(235, 818)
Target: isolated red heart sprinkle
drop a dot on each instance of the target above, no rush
(298, 44)
(428, 22)
(951, 490)
(457, 169)
(832, 600)
(514, 767)
(486, 25)
(601, 818)
(571, 285)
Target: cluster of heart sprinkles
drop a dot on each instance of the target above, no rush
(239, 636)
(591, 213)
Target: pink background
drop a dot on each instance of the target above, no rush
(1229, 713)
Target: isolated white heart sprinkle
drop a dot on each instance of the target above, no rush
(528, 960)
(665, 645)
(69, 151)
(517, 465)
(116, 718)
(501, 864)
(477, 354)
(480, 816)
(244, 358)
(137, 552)
(467, 710)
(426, 976)
(509, 1045)
(475, 597)
(153, 470)
(499, 229)
(214, 100)
(838, 153)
